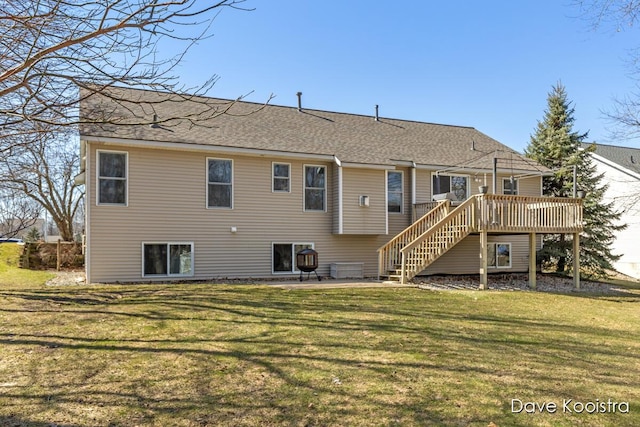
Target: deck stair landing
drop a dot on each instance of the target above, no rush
(435, 233)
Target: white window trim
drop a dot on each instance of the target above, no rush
(304, 188)
(452, 174)
(401, 192)
(273, 177)
(233, 184)
(168, 259)
(504, 180)
(502, 267)
(293, 260)
(126, 178)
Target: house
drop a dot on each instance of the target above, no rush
(239, 194)
(620, 170)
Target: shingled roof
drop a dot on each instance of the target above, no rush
(627, 157)
(351, 138)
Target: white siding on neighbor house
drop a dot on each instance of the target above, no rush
(624, 190)
(167, 203)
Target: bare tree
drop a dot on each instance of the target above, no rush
(43, 169)
(50, 49)
(618, 16)
(55, 53)
(17, 212)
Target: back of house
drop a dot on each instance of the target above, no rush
(193, 188)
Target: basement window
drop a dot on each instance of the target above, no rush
(284, 255)
(499, 255)
(167, 259)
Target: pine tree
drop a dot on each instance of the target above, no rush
(557, 146)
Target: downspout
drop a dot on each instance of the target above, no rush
(386, 202)
(87, 207)
(495, 175)
(414, 191)
(340, 204)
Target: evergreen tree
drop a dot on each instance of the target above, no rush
(557, 146)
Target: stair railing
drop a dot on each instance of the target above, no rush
(438, 239)
(389, 254)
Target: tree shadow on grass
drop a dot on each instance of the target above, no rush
(13, 421)
(309, 350)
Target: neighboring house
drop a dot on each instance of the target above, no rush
(620, 168)
(240, 195)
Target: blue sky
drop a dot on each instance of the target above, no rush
(486, 64)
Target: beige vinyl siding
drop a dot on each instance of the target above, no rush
(358, 219)
(530, 186)
(167, 203)
(423, 185)
(464, 258)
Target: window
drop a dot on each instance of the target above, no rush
(219, 183)
(394, 192)
(281, 178)
(167, 259)
(284, 256)
(315, 188)
(510, 186)
(499, 255)
(456, 184)
(112, 178)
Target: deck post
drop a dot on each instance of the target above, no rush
(576, 260)
(484, 279)
(532, 260)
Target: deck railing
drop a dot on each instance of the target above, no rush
(389, 254)
(529, 214)
(439, 230)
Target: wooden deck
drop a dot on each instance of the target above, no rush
(441, 228)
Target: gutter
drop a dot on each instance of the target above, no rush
(340, 203)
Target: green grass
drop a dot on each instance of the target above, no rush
(198, 355)
(11, 275)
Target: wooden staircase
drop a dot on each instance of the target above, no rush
(390, 257)
(436, 232)
(426, 240)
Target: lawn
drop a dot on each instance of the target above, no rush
(199, 355)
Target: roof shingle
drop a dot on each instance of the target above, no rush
(350, 137)
(626, 157)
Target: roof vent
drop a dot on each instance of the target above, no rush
(377, 116)
(633, 160)
(154, 124)
(473, 145)
(299, 94)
